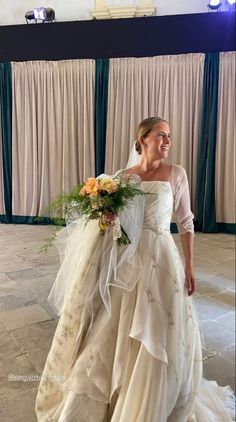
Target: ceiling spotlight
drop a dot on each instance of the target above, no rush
(231, 4)
(214, 4)
(41, 14)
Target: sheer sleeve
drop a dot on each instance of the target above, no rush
(182, 211)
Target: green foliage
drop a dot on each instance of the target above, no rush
(66, 206)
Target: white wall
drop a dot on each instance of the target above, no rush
(172, 7)
(12, 12)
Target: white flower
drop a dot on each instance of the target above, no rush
(116, 229)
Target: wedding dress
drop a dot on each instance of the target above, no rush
(127, 347)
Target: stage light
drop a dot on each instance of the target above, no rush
(42, 14)
(214, 4)
(231, 4)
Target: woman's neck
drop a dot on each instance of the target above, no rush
(150, 165)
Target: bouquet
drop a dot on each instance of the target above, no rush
(100, 199)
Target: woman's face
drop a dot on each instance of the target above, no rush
(157, 143)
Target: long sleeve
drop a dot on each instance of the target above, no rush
(182, 211)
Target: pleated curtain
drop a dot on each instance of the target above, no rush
(226, 137)
(101, 92)
(165, 86)
(53, 131)
(65, 114)
(6, 136)
(2, 201)
(207, 146)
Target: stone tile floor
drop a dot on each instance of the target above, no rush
(27, 322)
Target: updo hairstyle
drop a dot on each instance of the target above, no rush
(143, 130)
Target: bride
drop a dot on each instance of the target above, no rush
(127, 346)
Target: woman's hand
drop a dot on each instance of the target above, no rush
(190, 282)
(187, 244)
(109, 219)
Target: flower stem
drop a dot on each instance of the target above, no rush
(124, 239)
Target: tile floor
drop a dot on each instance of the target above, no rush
(27, 322)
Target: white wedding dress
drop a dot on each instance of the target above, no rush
(127, 347)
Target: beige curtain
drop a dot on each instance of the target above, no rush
(53, 130)
(226, 136)
(166, 86)
(2, 203)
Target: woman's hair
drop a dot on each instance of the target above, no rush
(144, 128)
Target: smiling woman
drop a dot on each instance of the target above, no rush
(153, 144)
(128, 327)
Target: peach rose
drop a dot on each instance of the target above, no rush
(108, 185)
(91, 186)
(83, 191)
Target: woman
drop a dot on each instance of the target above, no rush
(127, 347)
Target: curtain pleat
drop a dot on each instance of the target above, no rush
(53, 131)
(6, 142)
(166, 86)
(101, 97)
(2, 200)
(207, 146)
(225, 147)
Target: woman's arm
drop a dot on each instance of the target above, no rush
(187, 245)
(182, 210)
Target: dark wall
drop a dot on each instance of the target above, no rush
(136, 37)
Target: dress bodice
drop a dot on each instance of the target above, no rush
(158, 205)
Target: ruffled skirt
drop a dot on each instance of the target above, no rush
(141, 363)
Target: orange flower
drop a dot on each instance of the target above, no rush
(91, 187)
(83, 191)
